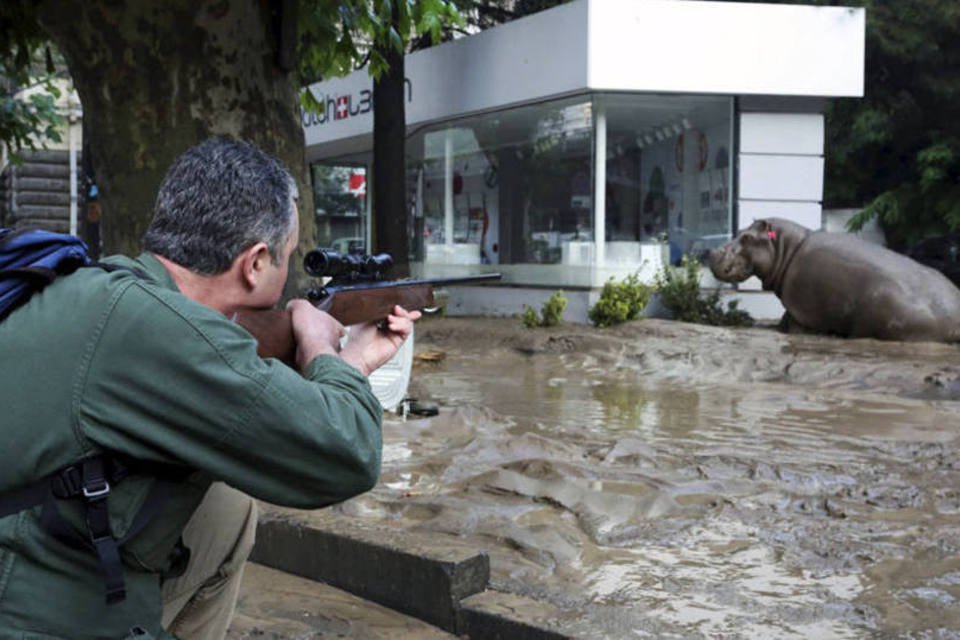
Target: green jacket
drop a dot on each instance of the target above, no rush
(114, 361)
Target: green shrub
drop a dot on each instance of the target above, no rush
(620, 301)
(679, 290)
(530, 317)
(552, 310)
(551, 313)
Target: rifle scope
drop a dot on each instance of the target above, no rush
(327, 263)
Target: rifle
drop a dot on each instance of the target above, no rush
(358, 291)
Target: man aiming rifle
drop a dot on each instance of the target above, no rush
(137, 414)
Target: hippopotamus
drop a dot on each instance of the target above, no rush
(836, 283)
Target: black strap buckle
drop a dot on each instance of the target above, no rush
(96, 489)
(67, 483)
(90, 479)
(95, 485)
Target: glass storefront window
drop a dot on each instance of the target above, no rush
(518, 189)
(340, 205)
(505, 188)
(668, 175)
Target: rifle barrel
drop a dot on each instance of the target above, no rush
(386, 284)
(274, 332)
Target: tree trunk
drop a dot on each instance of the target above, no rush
(155, 78)
(389, 162)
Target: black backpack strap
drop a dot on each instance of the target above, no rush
(88, 480)
(96, 488)
(39, 277)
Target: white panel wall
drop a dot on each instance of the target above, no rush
(780, 177)
(528, 59)
(781, 170)
(780, 133)
(650, 46)
(806, 213)
(726, 47)
(533, 58)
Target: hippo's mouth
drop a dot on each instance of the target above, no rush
(729, 268)
(727, 276)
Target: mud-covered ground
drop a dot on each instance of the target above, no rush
(660, 479)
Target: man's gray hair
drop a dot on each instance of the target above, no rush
(219, 198)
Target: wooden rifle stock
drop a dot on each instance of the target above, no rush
(349, 304)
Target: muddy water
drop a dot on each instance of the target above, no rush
(665, 480)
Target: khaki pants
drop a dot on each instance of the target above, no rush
(200, 604)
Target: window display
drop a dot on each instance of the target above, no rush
(340, 205)
(505, 188)
(518, 188)
(668, 178)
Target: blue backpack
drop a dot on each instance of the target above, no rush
(30, 259)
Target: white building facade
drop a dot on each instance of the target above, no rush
(595, 140)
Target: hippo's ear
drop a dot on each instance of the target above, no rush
(757, 230)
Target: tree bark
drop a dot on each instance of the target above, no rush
(155, 78)
(389, 161)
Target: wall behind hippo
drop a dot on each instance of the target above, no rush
(781, 166)
(835, 221)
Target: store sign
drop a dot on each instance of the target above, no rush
(342, 106)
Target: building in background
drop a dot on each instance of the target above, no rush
(45, 189)
(596, 139)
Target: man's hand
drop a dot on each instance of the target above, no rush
(371, 345)
(315, 332)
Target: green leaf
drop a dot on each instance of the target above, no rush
(337, 35)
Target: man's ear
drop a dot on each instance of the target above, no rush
(252, 263)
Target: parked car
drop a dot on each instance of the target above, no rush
(348, 245)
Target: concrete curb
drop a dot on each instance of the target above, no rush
(440, 582)
(494, 615)
(382, 565)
